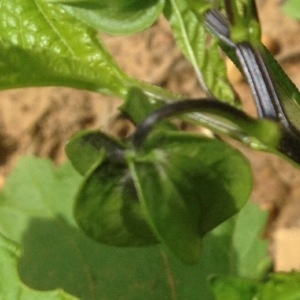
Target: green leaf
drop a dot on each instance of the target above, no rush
(36, 212)
(41, 44)
(251, 250)
(11, 287)
(208, 63)
(247, 257)
(188, 185)
(234, 288)
(116, 17)
(116, 205)
(292, 8)
(137, 105)
(108, 210)
(88, 148)
(36, 189)
(281, 286)
(193, 193)
(220, 255)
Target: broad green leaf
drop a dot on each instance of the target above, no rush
(177, 194)
(108, 210)
(206, 59)
(116, 17)
(188, 185)
(11, 287)
(36, 189)
(41, 44)
(220, 256)
(88, 148)
(36, 212)
(251, 251)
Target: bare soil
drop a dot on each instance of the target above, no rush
(39, 121)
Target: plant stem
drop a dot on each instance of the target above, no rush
(231, 122)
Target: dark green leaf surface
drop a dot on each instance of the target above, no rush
(108, 210)
(88, 148)
(180, 184)
(116, 17)
(188, 185)
(36, 211)
(11, 288)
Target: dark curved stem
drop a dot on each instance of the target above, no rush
(268, 102)
(219, 25)
(265, 93)
(204, 105)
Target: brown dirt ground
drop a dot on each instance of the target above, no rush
(40, 120)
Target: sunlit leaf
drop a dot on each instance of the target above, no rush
(41, 44)
(117, 16)
(205, 57)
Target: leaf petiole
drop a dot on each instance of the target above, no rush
(231, 121)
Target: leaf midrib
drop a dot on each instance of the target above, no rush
(42, 10)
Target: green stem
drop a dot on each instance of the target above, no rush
(259, 134)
